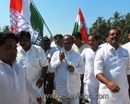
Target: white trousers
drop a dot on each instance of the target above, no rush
(34, 101)
(91, 94)
(119, 99)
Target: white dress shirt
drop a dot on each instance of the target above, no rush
(34, 60)
(14, 85)
(114, 65)
(102, 45)
(50, 52)
(127, 47)
(67, 83)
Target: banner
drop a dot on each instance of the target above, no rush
(24, 16)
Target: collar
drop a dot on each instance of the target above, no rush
(1, 62)
(67, 52)
(21, 49)
(111, 47)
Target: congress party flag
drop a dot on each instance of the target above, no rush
(80, 26)
(25, 16)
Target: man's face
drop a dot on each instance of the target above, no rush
(68, 42)
(59, 41)
(92, 41)
(75, 39)
(8, 51)
(25, 42)
(47, 45)
(114, 37)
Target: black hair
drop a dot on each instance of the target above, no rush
(129, 31)
(58, 35)
(46, 39)
(7, 35)
(24, 33)
(96, 37)
(112, 29)
(77, 35)
(99, 37)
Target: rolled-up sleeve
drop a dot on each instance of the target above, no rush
(98, 62)
(43, 58)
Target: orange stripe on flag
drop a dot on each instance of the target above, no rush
(83, 28)
(16, 5)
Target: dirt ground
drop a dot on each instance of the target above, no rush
(58, 101)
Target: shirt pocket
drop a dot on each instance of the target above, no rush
(34, 62)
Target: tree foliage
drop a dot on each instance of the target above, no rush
(6, 29)
(102, 26)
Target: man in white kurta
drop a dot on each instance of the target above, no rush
(111, 68)
(67, 81)
(78, 47)
(91, 83)
(34, 58)
(14, 85)
(49, 78)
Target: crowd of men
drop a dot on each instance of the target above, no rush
(78, 71)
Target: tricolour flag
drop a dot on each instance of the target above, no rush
(24, 16)
(80, 26)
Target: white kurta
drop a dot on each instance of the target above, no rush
(91, 83)
(14, 85)
(34, 60)
(50, 52)
(114, 65)
(67, 83)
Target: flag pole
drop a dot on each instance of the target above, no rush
(47, 28)
(42, 20)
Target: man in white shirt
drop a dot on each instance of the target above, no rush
(58, 38)
(91, 83)
(14, 85)
(34, 58)
(49, 78)
(78, 47)
(111, 67)
(67, 65)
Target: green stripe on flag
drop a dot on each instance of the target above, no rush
(37, 24)
(76, 27)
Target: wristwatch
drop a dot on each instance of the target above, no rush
(41, 79)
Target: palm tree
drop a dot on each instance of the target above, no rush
(6, 29)
(99, 28)
(115, 20)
